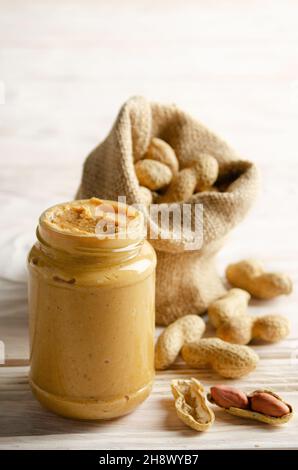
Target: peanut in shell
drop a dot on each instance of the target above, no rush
(257, 415)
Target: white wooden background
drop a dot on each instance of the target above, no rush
(65, 68)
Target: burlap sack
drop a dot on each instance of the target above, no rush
(187, 281)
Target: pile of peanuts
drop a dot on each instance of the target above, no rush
(162, 179)
(227, 352)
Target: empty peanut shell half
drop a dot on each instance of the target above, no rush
(191, 405)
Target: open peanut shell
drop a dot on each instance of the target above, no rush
(251, 414)
(191, 404)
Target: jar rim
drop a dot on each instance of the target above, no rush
(79, 240)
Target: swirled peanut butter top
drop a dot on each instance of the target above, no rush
(91, 217)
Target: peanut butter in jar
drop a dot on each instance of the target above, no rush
(91, 310)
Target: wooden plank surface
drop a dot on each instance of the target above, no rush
(66, 67)
(24, 424)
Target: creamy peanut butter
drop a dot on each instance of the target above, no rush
(84, 217)
(91, 307)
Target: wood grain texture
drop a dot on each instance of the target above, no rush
(66, 68)
(24, 424)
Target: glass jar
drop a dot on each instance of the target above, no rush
(91, 312)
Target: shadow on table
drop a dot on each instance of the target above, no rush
(173, 423)
(24, 416)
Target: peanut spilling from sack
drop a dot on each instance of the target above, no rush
(199, 175)
(229, 315)
(191, 405)
(152, 174)
(146, 196)
(260, 405)
(162, 152)
(157, 166)
(181, 188)
(251, 276)
(205, 167)
(182, 331)
(159, 170)
(228, 360)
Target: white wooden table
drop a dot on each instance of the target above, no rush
(65, 68)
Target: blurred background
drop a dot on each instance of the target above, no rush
(67, 66)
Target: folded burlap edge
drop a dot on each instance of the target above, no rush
(137, 122)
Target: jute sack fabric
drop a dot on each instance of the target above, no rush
(186, 280)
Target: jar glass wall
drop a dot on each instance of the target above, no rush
(91, 311)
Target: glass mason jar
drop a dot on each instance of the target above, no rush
(91, 311)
